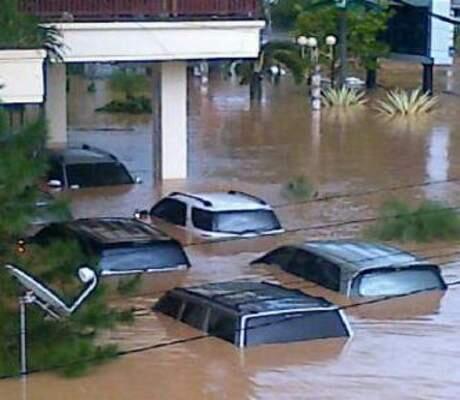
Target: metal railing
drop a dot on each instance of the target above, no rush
(114, 10)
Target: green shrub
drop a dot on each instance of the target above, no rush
(343, 97)
(298, 188)
(133, 105)
(128, 84)
(406, 102)
(427, 222)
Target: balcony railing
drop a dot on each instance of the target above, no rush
(116, 10)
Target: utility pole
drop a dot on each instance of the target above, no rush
(343, 31)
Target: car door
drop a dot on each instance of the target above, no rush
(172, 211)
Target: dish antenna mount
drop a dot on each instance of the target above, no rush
(35, 292)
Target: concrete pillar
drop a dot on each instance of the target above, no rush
(56, 104)
(173, 120)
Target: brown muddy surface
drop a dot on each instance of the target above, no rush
(401, 349)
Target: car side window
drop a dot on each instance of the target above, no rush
(202, 219)
(302, 262)
(169, 305)
(194, 315)
(222, 325)
(281, 257)
(172, 211)
(316, 269)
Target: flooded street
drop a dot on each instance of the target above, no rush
(401, 349)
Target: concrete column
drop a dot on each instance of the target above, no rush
(56, 104)
(173, 120)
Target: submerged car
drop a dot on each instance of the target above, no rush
(85, 166)
(218, 215)
(247, 313)
(357, 268)
(121, 245)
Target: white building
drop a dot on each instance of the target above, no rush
(167, 33)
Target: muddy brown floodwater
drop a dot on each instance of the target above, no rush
(401, 349)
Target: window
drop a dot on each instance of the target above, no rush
(281, 257)
(194, 315)
(240, 222)
(56, 172)
(202, 219)
(169, 305)
(97, 174)
(172, 211)
(316, 269)
(394, 282)
(157, 256)
(296, 326)
(222, 325)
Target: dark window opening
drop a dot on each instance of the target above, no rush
(97, 174)
(169, 305)
(170, 210)
(202, 219)
(222, 325)
(194, 315)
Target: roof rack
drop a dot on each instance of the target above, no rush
(250, 196)
(86, 146)
(205, 202)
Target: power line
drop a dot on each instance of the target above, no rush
(199, 337)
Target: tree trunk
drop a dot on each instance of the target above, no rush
(255, 87)
(371, 79)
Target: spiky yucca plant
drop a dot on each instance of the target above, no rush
(344, 97)
(406, 102)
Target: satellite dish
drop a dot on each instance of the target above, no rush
(46, 299)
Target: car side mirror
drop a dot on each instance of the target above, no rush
(141, 214)
(138, 180)
(55, 184)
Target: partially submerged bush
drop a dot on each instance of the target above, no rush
(344, 97)
(133, 105)
(428, 222)
(407, 102)
(299, 188)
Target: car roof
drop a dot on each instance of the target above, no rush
(116, 231)
(354, 256)
(82, 155)
(222, 201)
(248, 297)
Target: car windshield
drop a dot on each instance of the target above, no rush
(159, 256)
(396, 282)
(97, 174)
(246, 221)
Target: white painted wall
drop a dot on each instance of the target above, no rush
(173, 120)
(21, 74)
(56, 104)
(160, 41)
(442, 33)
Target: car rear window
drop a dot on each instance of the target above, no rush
(98, 174)
(246, 221)
(158, 256)
(295, 326)
(395, 282)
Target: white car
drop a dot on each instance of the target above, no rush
(218, 215)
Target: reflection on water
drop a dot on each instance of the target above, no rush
(403, 349)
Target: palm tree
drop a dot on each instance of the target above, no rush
(22, 31)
